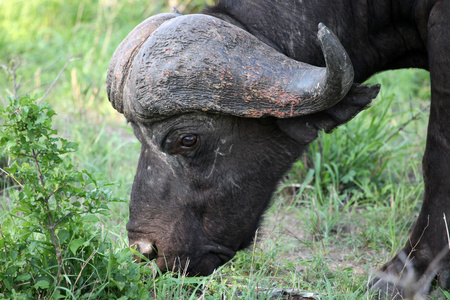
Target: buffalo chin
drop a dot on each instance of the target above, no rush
(201, 260)
(200, 266)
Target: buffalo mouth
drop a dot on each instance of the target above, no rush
(201, 260)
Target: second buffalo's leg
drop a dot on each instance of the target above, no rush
(429, 236)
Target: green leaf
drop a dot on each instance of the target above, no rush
(10, 143)
(75, 244)
(42, 284)
(57, 295)
(63, 235)
(119, 284)
(27, 224)
(24, 277)
(22, 207)
(90, 219)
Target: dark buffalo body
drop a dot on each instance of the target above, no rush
(223, 103)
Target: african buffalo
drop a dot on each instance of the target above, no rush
(225, 101)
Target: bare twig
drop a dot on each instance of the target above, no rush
(69, 214)
(56, 79)
(54, 191)
(60, 220)
(405, 283)
(85, 285)
(416, 116)
(436, 265)
(205, 289)
(10, 175)
(420, 237)
(409, 285)
(16, 81)
(4, 67)
(2, 99)
(446, 228)
(41, 180)
(39, 87)
(42, 71)
(82, 268)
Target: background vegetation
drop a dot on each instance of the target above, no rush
(341, 212)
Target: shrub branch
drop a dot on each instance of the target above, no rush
(51, 226)
(4, 244)
(10, 175)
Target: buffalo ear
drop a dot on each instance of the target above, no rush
(305, 129)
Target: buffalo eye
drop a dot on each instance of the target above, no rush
(184, 144)
(188, 141)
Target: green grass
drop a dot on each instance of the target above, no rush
(340, 213)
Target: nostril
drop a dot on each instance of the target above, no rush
(147, 249)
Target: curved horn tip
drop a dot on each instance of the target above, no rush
(322, 27)
(339, 65)
(174, 10)
(324, 31)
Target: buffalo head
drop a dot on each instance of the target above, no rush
(221, 117)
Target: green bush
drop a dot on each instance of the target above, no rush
(51, 244)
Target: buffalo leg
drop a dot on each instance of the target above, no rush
(429, 238)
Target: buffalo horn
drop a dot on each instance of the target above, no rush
(173, 64)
